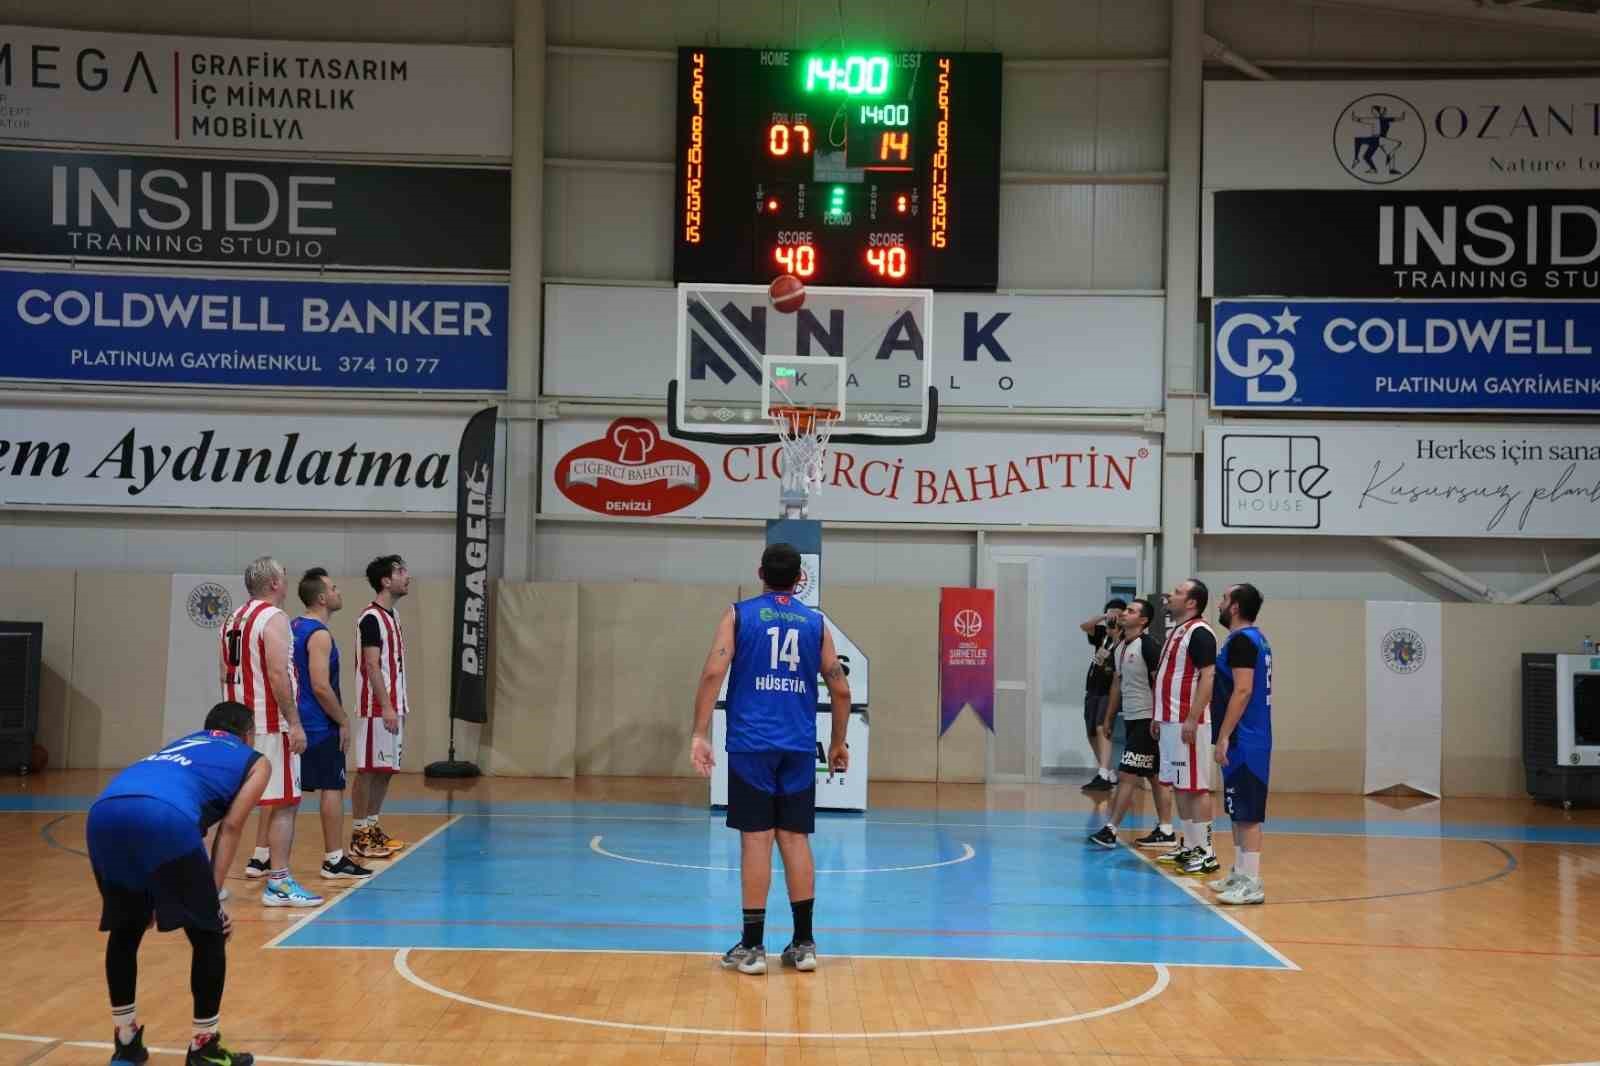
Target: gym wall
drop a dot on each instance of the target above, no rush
(589, 679)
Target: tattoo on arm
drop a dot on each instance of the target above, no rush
(835, 672)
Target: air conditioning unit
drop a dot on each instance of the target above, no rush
(20, 647)
(1561, 727)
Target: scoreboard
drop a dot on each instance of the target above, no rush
(841, 168)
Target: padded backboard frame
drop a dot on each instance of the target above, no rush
(725, 334)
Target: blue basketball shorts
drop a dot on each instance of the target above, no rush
(1244, 795)
(150, 859)
(772, 790)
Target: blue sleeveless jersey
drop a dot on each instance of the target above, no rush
(1252, 737)
(199, 774)
(772, 685)
(312, 719)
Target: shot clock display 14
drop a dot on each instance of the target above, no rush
(841, 168)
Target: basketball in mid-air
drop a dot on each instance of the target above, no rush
(787, 293)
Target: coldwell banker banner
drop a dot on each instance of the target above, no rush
(106, 457)
(236, 212)
(214, 331)
(1425, 480)
(966, 655)
(1377, 355)
(1494, 134)
(198, 92)
(630, 467)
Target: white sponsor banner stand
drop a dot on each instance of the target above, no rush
(1405, 696)
(200, 604)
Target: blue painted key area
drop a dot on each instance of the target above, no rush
(541, 881)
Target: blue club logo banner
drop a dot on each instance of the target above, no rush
(1385, 355)
(107, 328)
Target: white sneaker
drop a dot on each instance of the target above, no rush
(1222, 884)
(1249, 890)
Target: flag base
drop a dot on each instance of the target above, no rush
(451, 768)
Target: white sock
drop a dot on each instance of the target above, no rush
(261, 854)
(126, 1021)
(1103, 774)
(277, 876)
(1203, 836)
(332, 858)
(1250, 864)
(1166, 827)
(204, 1029)
(365, 823)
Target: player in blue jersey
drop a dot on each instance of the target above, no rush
(146, 836)
(316, 668)
(776, 648)
(1241, 713)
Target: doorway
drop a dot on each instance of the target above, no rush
(1042, 593)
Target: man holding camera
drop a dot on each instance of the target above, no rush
(1103, 632)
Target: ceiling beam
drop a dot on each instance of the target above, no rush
(1500, 15)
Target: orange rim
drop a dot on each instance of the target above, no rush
(802, 421)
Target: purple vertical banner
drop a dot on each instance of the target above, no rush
(966, 655)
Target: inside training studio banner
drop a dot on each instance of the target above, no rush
(966, 655)
(1405, 696)
(474, 504)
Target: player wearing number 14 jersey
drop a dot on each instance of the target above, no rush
(776, 648)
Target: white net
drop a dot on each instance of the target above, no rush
(803, 436)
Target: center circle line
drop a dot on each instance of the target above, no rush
(402, 966)
(967, 853)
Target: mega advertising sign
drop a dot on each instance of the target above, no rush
(203, 92)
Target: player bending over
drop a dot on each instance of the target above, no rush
(147, 846)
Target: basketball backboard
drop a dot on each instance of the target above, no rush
(866, 354)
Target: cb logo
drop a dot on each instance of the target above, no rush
(1268, 357)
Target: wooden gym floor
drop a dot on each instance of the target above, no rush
(556, 922)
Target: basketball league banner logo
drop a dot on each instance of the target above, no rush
(209, 603)
(966, 655)
(1403, 650)
(632, 470)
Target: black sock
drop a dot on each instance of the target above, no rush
(122, 964)
(755, 926)
(802, 919)
(207, 972)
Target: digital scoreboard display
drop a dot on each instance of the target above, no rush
(841, 168)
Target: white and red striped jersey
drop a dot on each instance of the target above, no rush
(391, 661)
(244, 664)
(1177, 677)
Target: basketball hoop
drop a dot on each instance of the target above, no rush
(803, 434)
